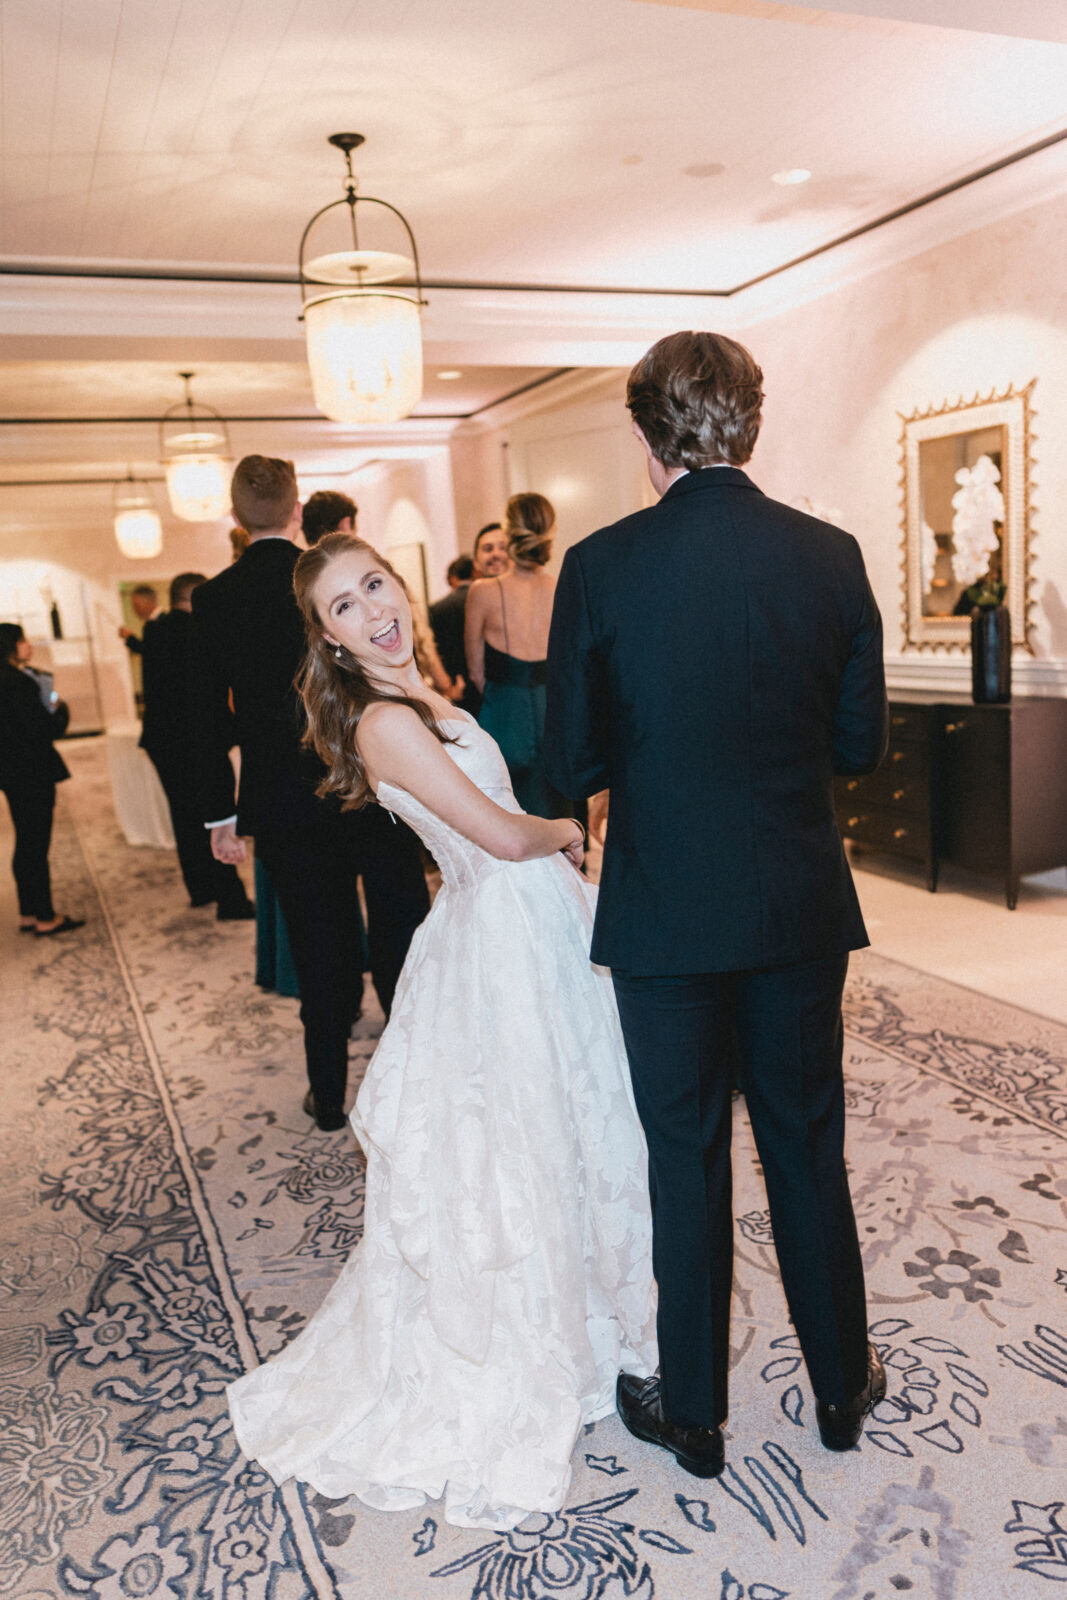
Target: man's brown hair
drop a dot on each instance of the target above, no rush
(696, 398)
(324, 512)
(264, 493)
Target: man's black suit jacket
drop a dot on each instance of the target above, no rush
(714, 661)
(448, 619)
(248, 637)
(166, 659)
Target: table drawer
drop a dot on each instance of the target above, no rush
(905, 759)
(886, 787)
(908, 722)
(905, 835)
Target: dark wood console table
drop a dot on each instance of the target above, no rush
(981, 787)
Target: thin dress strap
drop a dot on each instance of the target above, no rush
(504, 617)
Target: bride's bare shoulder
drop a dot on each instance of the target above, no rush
(384, 724)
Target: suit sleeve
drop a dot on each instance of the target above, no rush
(134, 645)
(577, 727)
(861, 718)
(209, 689)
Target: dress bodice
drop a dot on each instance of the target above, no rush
(463, 864)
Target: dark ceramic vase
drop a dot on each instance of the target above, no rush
(990, 655)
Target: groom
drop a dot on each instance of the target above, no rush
(714, 661)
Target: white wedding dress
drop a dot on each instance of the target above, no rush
(505, 1272)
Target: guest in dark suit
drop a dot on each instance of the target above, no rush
(447, 620)
(168, 736)
(145, 603)
(248, 639)
(30, 768)
(714, 661)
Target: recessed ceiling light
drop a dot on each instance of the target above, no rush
(632, 161)
(791, 175)
(704, 169)
(449, 374)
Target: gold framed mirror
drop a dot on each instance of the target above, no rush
(966, 499)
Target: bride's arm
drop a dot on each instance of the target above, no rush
(397, 747)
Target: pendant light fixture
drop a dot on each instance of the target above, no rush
(138, 529)
(194, 447)
(364, 342)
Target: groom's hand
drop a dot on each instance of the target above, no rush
(226, 846)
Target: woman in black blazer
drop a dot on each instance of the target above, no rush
(30, 768)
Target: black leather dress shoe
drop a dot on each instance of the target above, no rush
(328, 1121)
(840, 1426)
(699, 1450)
(238, 911)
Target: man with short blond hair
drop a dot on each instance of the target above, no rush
(713, 661)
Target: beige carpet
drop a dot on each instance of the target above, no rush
(166, 1217)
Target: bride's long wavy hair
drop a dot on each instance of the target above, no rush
(337, 689)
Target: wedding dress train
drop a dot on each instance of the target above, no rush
(505, 1272)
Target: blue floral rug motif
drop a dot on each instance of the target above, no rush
(168, 1217)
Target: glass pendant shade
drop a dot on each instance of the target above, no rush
(198, 485)
(365, 354)
(364, 342)
(138, 529)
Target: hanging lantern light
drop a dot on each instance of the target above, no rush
(138, 529)
(364, 343)
(194, 447)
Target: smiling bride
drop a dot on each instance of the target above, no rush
(505, 1272)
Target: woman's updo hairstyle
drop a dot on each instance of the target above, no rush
(530, 523)
(335, 686)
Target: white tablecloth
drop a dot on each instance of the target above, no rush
(140, 804)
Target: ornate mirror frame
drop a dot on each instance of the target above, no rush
(1012, 412)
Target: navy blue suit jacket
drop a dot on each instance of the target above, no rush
(714, 660)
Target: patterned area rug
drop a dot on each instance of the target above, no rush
(168, 1218)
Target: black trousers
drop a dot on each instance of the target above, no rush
(31, 805)
(205, 878)
(680, 1039)
(315, 867)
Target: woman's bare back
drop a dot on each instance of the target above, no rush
(517, 612)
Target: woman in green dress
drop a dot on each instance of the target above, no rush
(506, 637)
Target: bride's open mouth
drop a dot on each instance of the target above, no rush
(387, 638)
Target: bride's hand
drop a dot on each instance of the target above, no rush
(575, 851)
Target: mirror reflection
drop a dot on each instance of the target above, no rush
(962, 496)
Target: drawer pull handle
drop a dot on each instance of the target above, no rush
(900, 833)
(898, 755)
(898, 794)
(854, 822)
(954, 727)
(853, 784)
(898, 722)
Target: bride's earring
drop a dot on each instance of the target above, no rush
(337, 652)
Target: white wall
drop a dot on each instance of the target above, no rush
(979, 313)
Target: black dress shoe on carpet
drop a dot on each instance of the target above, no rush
(243, 911)
(699, 1450)
(66, 925)
(328, 1121)
(840, 1426)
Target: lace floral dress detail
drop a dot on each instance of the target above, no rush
(505, 1272)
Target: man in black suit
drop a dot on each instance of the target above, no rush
(168, 736)
(448, 616)
(248, 640)
(145, 604)
(714, 661)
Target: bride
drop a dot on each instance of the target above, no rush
(505, 1271)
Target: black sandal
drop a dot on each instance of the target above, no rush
(66, 926)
